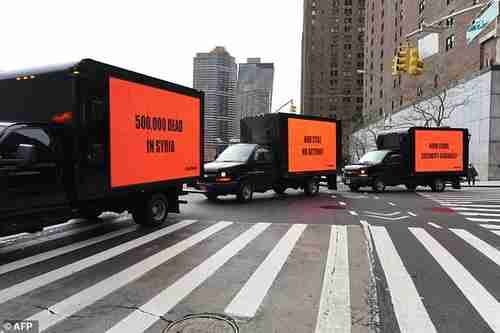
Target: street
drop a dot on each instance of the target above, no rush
(340, 262)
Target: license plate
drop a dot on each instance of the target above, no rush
(347, 180)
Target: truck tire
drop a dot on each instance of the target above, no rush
(411, 187)
(151, 212)
(245, 192)
(279, 188)
(378, 186)
(311, 187)
(438, 185)
(354, 188)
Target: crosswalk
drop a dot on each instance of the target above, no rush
(257, 272)
(481, 206)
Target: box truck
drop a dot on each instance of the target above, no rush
(414, 157)
(86, 137)
(277, 151)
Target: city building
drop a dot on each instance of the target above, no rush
(460, 82)
(215, 73)
(332, 60)
(254, 91)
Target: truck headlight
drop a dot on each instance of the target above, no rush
(362, 172)
(223, 174)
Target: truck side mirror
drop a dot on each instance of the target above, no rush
(26, 155)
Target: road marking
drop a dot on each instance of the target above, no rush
(249, 298)
(382, 214)
(342, 203)
(408, 307)
(491, 226)
(60, 251)
(140, 321)
(476, 209)
(64, 271)
(84, 298)
(485, 304)
(435, 225)
(334, 314)
(474, 206)
(389, 218)
(496, 232)
(353, 213)
(392, 204)
(473, 219)
(478, 214)
(412, 214)
(480, 245)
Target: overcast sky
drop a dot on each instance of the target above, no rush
(158, 38)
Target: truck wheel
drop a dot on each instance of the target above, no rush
(378, 185)
(245, 193)
(438, 185)
(279, 188)
(411, 187)
(153, 211)
(311, 187)
(354, 188)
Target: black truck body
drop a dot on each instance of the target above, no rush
(82, 138)
(413, 157)
(277, 151)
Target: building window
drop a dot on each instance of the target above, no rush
(436, 80)
(381, 94)
(346, 99)
(419, 91)
(395, 84)
(450, 21)
(401, 100)
(421, 7)
(448, 2)
(359, 99)
(347, 46)
(380, 112)
(450, 42)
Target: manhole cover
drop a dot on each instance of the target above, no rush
(203, 323)
(442, 210)
(332, 207)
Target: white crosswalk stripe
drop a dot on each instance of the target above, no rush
(333, 308)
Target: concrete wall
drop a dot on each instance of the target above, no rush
(480, 115)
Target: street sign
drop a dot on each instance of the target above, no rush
(428, 45)
(488, 15)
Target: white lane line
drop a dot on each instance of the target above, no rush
(496, 232)
(444, 203)
(86, 297)
(64, 271)
(382, 214)
(485, 304)
(334, 314)
(474, 206)
(389, 218)
(353, 213)
(489, 251)
(473, 219)
(408, 307)
(478, 214)
(435, 225)
(342, 203)
(476, 209)
(138, 321)
(412, 214)
(491, 226)
(392, 203)
(60, 251)
(250, 296)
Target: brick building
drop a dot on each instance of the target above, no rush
(332, 56)
(456, 60)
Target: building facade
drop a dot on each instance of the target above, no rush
(447, 54)
(333, 60)
(215, 74)
(254, 88)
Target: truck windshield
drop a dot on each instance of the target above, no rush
(236, 153)
(373, 157)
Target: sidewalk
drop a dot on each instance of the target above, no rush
(487, 183)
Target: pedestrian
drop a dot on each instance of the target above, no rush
(471, 175)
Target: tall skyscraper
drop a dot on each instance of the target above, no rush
(215, 74)
(255, 87)
(332, 60)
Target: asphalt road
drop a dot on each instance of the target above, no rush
(286, 263)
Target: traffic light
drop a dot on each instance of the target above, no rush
(416, 66)
(401, 61)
